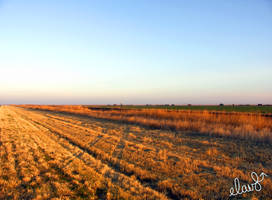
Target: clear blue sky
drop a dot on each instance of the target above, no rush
(142, 51)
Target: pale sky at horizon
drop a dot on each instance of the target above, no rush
(135, 52)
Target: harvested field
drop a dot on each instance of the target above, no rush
(50, 154)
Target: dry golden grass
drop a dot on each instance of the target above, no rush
(38, 163)
(249, 126)
(59, 155)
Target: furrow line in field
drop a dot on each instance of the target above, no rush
(110, 173)
(37, 175)
(79, 186)
(146, 178)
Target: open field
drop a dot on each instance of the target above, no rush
(248, 126)
(85, 154)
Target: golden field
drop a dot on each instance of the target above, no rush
(73, 152)
(249, 126)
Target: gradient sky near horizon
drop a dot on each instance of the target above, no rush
(135, 52)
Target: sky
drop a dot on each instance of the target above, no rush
(135, 52)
